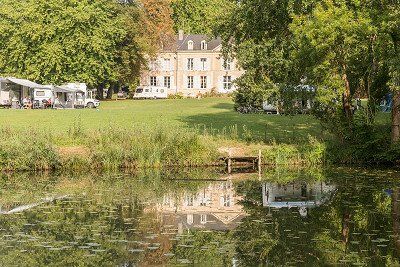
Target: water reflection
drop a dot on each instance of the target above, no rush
(340, 217)
(300, 195)
(214, 207)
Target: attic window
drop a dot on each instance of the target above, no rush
(190, 45)
(203, 45)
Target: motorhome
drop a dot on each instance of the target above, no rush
(150, 92)
(4, 94)
(83, 95)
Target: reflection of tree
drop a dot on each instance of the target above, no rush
(101, 224)
(354, 227)
(396, 220)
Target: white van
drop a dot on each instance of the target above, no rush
(150, 92)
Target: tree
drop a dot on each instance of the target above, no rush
(100, 42)
(59, 41)
(200, 16)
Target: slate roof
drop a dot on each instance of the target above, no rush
(182, 45)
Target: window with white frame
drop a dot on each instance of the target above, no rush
(203, 62)
(167, 82)
(227, 64)
(190, 45)
(227, 82)
(189, 200)
(203, 218)
(167, 64)
(203, 82)
(189, 219)
(153, 81)
(190, 64)
(190, 82)
(203, 45)
(152, 65)
(226, 201)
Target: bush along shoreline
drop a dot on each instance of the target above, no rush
(138, 147)
(116, 148)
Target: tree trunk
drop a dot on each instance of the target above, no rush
(346, 227)
(111, 90)
(346, 96)
(396, 117)
(100, 91)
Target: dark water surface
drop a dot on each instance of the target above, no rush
(201, 218)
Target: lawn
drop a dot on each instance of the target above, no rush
(216, 115)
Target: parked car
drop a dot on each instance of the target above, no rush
(122, 95)
(149, 92)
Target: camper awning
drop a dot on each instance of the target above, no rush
(27, 83)
(64, 89)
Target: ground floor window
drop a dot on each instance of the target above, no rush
(227, 83)
(190, 82)
(153, 81)
(203, 82)
(167, 82)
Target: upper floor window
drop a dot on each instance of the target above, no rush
(203, 62)
(190, 45)
(190, 64)
(227, 64)
(167, 64)
(203, 45)
(153, 81)
(153, 65)
(189, 200)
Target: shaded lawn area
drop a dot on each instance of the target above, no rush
(216, 115)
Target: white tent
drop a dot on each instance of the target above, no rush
(27, 83)
(68, 97)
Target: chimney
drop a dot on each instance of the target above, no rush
(180, 35)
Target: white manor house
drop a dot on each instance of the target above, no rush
(192, 65)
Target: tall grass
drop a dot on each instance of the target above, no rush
(109, 148)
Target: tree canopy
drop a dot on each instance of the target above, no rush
(200, 16)
(97, 42)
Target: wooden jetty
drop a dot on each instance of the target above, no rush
(232, 161)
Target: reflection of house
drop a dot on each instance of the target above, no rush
(213, 207)
(296, 194)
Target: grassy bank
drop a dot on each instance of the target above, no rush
(137, 134)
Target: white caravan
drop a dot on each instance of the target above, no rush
(150, 92)
(4, 95)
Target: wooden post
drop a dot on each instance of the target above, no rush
(229, 163)
(259, 161)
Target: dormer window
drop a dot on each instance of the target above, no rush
(203, 45)
(190, 45)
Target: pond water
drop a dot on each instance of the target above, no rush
(201, 218)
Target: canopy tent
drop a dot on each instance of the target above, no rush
(27, 83)
(20, 89)
(68, 97)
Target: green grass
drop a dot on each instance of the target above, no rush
(213, 115)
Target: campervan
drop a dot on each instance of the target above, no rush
(4, 95)
(150, 92)
(84, 95)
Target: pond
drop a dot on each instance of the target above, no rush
(201, 218)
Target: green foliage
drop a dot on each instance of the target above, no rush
(59, 41)
(200, 16)
(252, 92)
